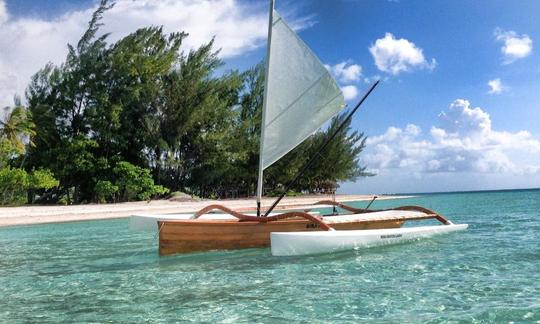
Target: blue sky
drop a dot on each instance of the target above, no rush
(435, 123)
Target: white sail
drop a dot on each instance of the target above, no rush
(301, 95)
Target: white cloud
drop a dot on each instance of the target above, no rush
(3, 12)
(346, 72)
(413, 130)
(461, 119)
(463, 141)
(374, 78)
(495, 86)
(515, 47)
(394, 56)
(349, 92)
(27, 44)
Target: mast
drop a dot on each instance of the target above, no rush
(265, 100)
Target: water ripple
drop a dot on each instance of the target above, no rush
(101, 272)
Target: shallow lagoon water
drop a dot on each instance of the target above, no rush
(100, 271)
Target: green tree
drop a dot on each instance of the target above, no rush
(340, 159)
(338, 162)
(196, 123)
(118, 120)
(94, 108)
(15, 131)
(13, 184)
(135, 182)
(38, 182)
(18, 186)
(248, 129)
(64, 97)
(105, 191)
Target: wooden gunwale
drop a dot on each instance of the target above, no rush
(354, 210)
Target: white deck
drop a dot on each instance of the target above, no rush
(149, 222)
(374, 216)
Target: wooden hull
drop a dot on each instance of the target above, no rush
(184, 236)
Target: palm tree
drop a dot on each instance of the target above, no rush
(17, 128)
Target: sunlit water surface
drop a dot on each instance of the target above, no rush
(100, 271)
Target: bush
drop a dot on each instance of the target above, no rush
(136, 183)
(105, 191)
(13, 184)
(7, 151)
(42, 179)
(39, 181)
(17, 185)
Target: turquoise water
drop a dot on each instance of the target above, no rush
(101, 272)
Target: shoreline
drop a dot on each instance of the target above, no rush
(31, 215)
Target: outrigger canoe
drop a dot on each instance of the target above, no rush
(283, 232)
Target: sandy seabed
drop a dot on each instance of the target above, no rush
(27, 215)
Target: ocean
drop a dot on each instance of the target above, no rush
(100, 271)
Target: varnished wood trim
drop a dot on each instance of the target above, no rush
(244, 217)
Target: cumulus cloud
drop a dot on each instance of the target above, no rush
(394, 56)
(463, 141)
(27, 44)
(514, 46)
(347, 74)
(346, 71)
(349, 92)
(495, 86)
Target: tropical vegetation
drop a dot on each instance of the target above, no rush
(141, 117)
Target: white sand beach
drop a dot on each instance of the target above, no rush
(27, 215)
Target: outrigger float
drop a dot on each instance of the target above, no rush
(300, 95)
